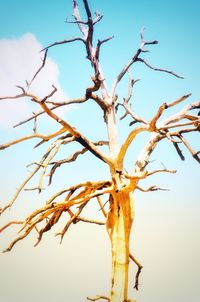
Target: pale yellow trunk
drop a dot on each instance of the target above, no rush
(119, 224)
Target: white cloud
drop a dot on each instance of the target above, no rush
(19, 60)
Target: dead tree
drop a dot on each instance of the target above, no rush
(120, 187)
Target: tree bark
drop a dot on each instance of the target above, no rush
(119, 222)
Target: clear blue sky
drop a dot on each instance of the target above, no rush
(166, 233)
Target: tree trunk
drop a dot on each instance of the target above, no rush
(119, 224)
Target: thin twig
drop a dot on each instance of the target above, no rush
(98, 298)
(63, 42)
(160, 69)
(140, 267)
(161, 171)
(151, 189)
(40, 68)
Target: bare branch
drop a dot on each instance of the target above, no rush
(180, 115)
(191, 150)
(128, 141)
(124, 71)
(35, 124)
(50, 94)
(88, 95)
(140, 267)
(72, 220)
(100, 42)
(64, 42)
(159, 69)
(179, 151)
(19, 190)
(181, 99)
(71, 158)
(136, 118)
(161, 171)
(97, 18)
(143, 158)
(101, 206)
(193, 122)
(83, 219)
(142, 34)
(151, 189)
(75, 22)
(53, 151)
(161, 109)
(56, 105)
(9, 248)
(29, 225)
(77, 17)
(51, 222)
(34, 135)
(9, 224)
(72, 189)
(87, 31)
(127, 107)
(52, 211)
(13, 97)
(130, 88)
(40, 68)
(79, 137)
(158, 114)
(136, 176)
(98, 298)
(170, 122)
(135, 59)
(24, 183)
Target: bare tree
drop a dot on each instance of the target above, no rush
(118, 190)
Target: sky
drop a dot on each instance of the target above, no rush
(165, 236)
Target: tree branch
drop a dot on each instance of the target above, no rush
(77, 17)
(161, 171)
(71, 158)
(87, 220)
(98, 298)
(140, 267)
(191, 150)
(180, 115)
(136, 58)
(159, 69)
(34, 135)
(101, 206)
(52, 211)
(78, 136)
(143, 158)
(92, 53)
(63, 42)
(40, 68)
(9, 224)
(151, 189)
(179, 151)
(9, 205)
(127, 107)
(132, 135)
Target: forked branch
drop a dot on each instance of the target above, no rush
(137, 58)
(50, 214)
(68, 128)
(140, 267)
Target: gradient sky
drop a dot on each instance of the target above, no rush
(165, 236)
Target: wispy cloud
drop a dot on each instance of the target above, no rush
(19, 60)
